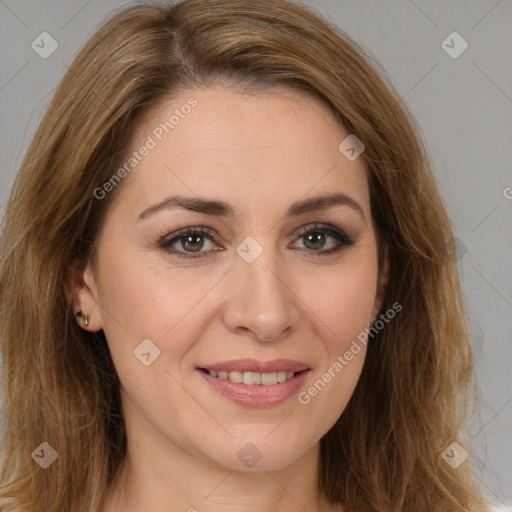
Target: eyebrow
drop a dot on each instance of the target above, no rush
(223, 209)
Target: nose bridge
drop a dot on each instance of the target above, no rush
(260, 300)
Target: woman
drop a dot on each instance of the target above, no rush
(228, 280)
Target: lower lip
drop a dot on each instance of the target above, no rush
(258, 395)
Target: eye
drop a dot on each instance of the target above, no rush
(189, 242)
(196, 242)
(324, 239)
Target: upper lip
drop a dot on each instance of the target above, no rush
(252, 365)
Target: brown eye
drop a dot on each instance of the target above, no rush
(316, 238)
(189, 242)
(193, 242)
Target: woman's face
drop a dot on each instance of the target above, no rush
(246, 291)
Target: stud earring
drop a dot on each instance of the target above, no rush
(86, 317)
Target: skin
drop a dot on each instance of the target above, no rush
(260, 153)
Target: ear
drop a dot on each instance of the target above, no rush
(81, 293)
(382, 284)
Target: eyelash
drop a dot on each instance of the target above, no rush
(166, 241)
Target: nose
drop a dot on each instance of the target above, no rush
(261, 303)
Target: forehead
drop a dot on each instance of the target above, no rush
(238, 146)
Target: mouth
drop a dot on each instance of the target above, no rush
(254, 383)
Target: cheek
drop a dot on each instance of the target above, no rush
(345, 307)
(326, 396)
(341, 301)
(341, 307)
(143, 300)
(146, 298)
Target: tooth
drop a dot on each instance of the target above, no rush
(268, 379)
(236, 377)
(252, 378)
(281, 376)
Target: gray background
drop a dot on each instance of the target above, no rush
(463, 105)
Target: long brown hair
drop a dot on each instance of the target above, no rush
(59, 383)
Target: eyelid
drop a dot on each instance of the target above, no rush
(166, 240)
(341, 236)
(320, 226)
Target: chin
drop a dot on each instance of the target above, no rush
(259, 454)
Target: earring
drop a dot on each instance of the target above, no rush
(86, 317)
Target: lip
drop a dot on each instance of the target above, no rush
(252, 365)
(255, 396)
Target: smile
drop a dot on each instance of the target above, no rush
(255, 384)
